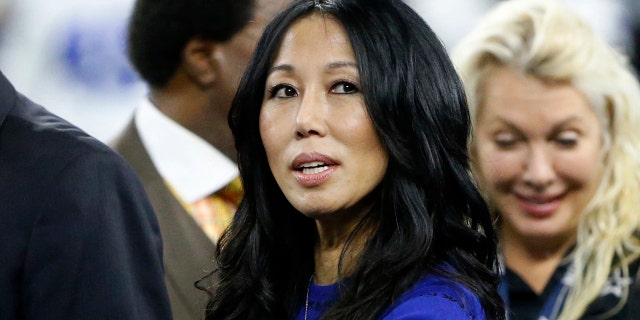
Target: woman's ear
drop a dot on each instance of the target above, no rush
(198, 61)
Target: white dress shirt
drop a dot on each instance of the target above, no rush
(193, 167)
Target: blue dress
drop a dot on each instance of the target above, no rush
(433, 297)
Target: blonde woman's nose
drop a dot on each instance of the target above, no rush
(539, 171)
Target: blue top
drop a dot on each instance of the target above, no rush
(433, 297)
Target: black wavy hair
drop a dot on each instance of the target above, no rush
(428, 209)
(160, 29)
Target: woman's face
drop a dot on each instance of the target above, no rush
(320, 142)
(538, 150)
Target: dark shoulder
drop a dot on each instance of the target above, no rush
(618, 286)
(36, 146)
(45, 160)
(32, 133)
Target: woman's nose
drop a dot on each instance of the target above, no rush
(311, 118)
(539, 171)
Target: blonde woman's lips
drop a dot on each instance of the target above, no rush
(539, 208)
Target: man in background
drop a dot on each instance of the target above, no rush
(192, 54)
(78, 237)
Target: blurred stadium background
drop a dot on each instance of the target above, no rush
(70, 55)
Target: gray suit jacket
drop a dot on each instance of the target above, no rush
(188, 252)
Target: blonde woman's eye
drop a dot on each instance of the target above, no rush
(505, 140)
(567, 139)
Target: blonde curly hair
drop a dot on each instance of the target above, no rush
(543, 39)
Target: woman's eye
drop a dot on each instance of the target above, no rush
(567, 139)
(505, 144)
(505, 140)
(283, 91)
(344, 87)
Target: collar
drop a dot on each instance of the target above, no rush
(193, 167)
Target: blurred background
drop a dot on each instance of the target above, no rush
(70, 55)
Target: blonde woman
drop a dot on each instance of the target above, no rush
(556, 148)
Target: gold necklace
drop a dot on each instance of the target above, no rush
(306, 301)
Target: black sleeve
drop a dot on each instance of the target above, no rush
(95, 251)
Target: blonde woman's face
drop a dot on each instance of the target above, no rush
(538, 153)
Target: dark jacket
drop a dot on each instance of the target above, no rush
(78, 237)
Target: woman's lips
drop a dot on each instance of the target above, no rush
(315, 179)
(539, 208)
(313, 169)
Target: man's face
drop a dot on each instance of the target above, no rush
(234, 54)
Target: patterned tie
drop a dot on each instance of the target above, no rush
(214, 213)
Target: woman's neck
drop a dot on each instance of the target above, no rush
(333, 236)
(534, 260)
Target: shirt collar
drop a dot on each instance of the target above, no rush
(192, 166)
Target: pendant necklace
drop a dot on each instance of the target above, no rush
(306, 301)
